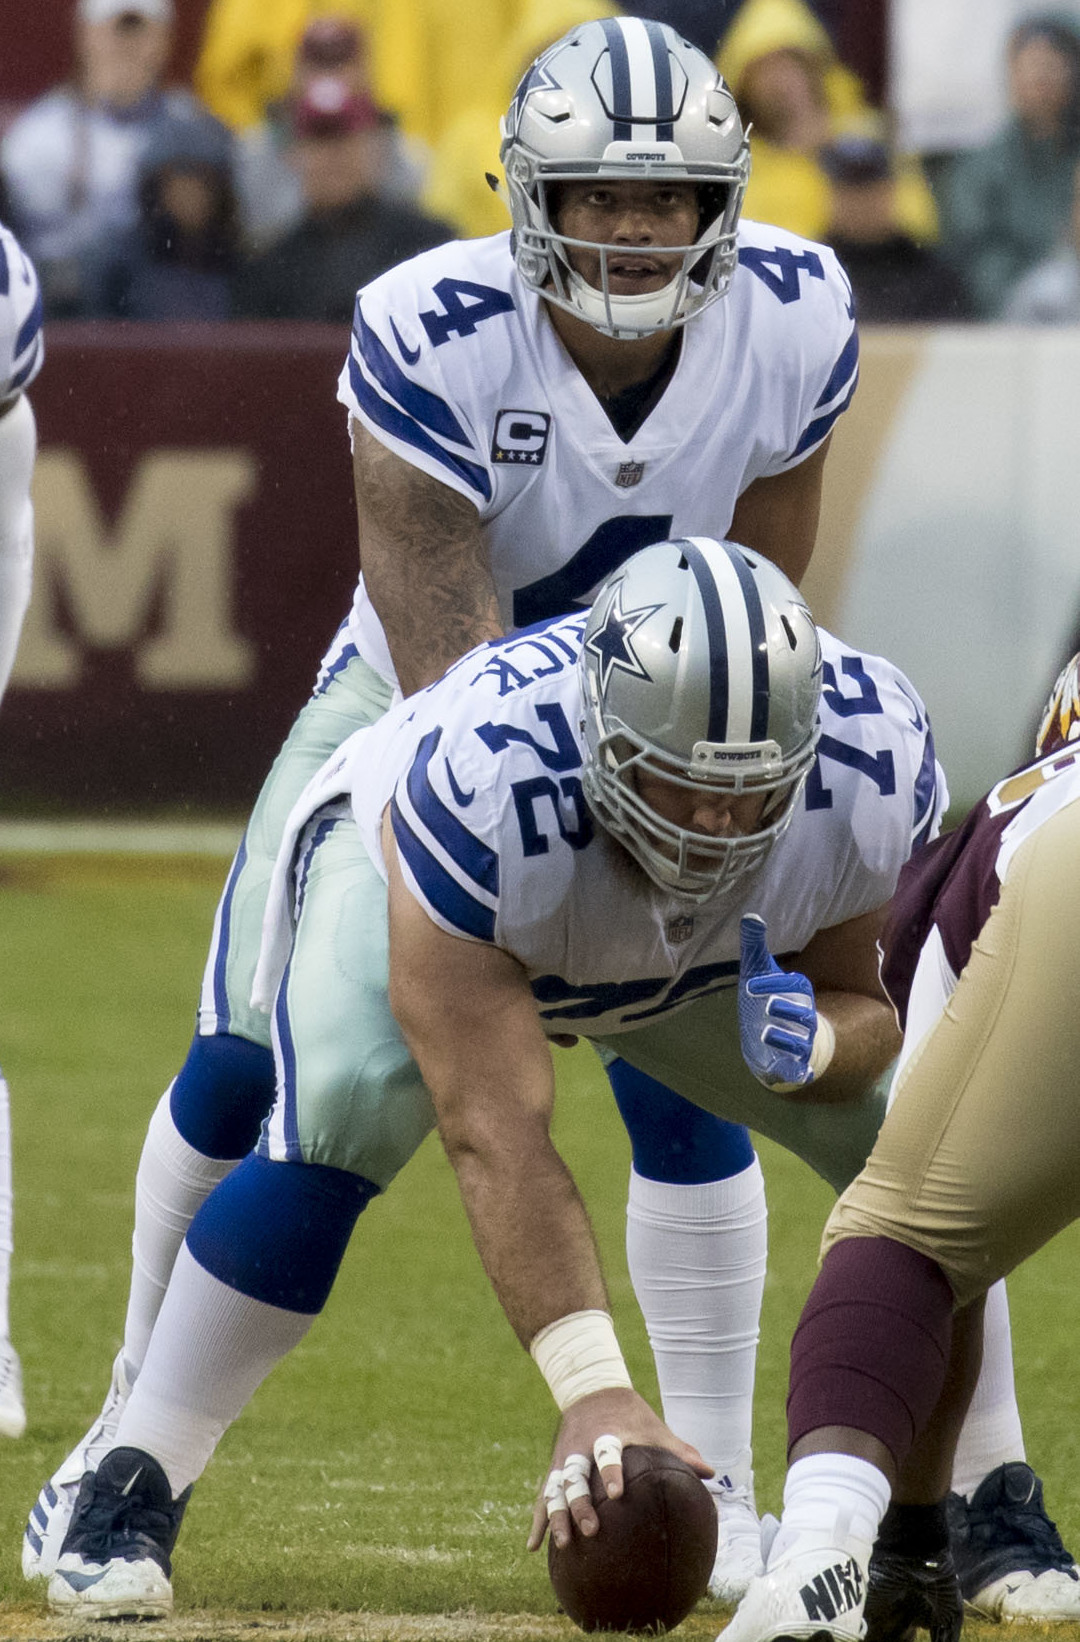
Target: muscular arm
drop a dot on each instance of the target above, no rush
(842, 965)
(424, 561)
(779, 516)
(470, 1020)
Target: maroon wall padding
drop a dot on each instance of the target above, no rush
(37, 45)
(111, 400)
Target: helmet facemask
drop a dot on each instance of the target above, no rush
(701, 669)
(624, 100)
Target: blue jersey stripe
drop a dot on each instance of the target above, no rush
(717, 634)
(20, 377)
(841, 371)
(759, 654)
(405, 428)
(621, 104)
(5, 270)
(822, 425)
(475, 859)
(29, 328)
(449, 899)
(427, 408)
(665, 111)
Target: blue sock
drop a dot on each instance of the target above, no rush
(673, 1140)
(222, 1093)
(277, 1232)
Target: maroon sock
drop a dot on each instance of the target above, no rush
(872, 1344)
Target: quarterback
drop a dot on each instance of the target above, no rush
(692, 763)
(21, 352)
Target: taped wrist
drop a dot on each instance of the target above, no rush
(579, 1354)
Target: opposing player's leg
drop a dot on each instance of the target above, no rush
(12, 1412)
(696, 1243)
(262, 1252)
(211, 1114)
(697, 1052)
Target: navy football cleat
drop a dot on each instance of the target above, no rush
(115, 1560)
(1009, 1555)
(906, 1593)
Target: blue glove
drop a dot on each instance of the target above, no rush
(778, 1022)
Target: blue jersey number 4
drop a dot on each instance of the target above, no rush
(460, 317)
(779, 269)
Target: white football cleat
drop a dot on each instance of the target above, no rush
(116, 1559)
(48, 1522)
(738, 1542)
(812, 1596)
(12, 1412)
(1052, 1597)
(1009, 1555)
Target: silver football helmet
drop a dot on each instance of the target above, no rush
(700, 665)
(626, 99)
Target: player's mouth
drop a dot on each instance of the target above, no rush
(633, 275)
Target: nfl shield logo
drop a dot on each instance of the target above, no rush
(678, 930)
(629, 474)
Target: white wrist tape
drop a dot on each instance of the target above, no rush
(823, 1047)
(579, 1354)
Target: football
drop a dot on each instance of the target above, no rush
(651, 1561)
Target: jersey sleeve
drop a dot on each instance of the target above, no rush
(877, 765)
(425, 339)
(803, 315)
(22, 343)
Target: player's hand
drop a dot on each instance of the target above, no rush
(598, 1428)
(778, 1021)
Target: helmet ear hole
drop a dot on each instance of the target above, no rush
(676, 635)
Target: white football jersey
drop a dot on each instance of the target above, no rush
(482, 773)
(455, 367)
(22, 345)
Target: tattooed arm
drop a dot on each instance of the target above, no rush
(424, 560)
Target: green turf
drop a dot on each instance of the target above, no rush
(389, 1465)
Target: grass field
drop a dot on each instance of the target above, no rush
(379, 1486)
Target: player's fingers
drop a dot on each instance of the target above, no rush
(539, 1526)
(754, 955)
(578, 1496)
(607, 1452)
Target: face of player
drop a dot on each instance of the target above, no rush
(640, 218)
(704, 810)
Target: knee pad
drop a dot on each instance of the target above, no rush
(673, 1140)
(872, 1345)
(277, 1232)
(222, 1093)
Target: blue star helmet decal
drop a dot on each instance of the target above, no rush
(611, 643)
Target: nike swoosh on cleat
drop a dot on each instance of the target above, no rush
(83, 1582)
(132, 1480)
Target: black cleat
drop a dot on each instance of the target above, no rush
(1008, 1553)
(116, 1557)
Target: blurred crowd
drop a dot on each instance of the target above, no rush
(323, 140)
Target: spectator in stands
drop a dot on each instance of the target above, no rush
(425, 55)
(179, 260)
(1006, 204)
(70, 161)
(271, 197)
(349, 231)
(1049, 293)
(795, 94)
(895, 280)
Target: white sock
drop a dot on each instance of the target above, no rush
(7, 1206)
(831, 1501)
(211, 1350)
(697, 1261)
(173, 1181)
(992, 1434)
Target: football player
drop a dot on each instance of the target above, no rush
(526, 411)
(986, 921)
(692, 752)
(21, 353)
